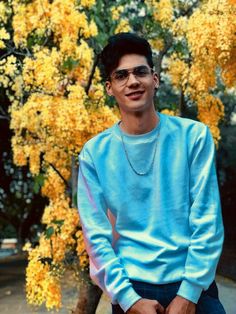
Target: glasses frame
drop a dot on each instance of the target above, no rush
(130, 71)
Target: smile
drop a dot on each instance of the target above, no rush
(135, 94)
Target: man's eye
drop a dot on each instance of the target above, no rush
(142, 71)
(121, 75)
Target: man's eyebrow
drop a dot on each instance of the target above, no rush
(140, 65)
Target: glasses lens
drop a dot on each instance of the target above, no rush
(121, 75)
(141, 71)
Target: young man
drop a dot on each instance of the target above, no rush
(154, 176)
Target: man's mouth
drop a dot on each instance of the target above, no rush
(135, 95)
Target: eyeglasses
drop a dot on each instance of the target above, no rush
(120, 77)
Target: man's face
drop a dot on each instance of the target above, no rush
(133, 90)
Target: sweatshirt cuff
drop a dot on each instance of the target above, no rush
(189, 291)
(128, 299)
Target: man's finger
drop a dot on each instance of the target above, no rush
(159, 308)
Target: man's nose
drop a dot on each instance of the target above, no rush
(132, 79)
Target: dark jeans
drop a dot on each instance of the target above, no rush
(208, 302)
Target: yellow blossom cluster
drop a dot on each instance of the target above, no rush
(81, 250)
(5, 12)
(116, 12)
(68, 23)
(28, 17)
(62, 18)
(60, 211)
(54, 186)
(123, 26)
(96, 94)
(8, 70)
(96, 91)
(50, 122)
(163, 11)
(4, 35)
(101, 118)
(157, 44)
(81, 72)
(210, 112)
(48, 131)
(45, 260)
(212, 43)
(170, 112)
(178, 71)
(52, 115)
(210, 33)
(42, 72)
(179, 27)
(87, 3)
(42, 285)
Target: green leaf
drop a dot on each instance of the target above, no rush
(38, 182)
(58, 222)
(49, 232)
(18, 195)
(70, 64)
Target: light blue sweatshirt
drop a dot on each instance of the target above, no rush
(168, 223)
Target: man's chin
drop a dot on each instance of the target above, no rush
(135, 107)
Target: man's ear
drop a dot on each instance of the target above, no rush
(108, 88)
(156, 80)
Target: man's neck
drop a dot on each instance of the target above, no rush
(139, 122)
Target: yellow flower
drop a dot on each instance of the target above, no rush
(157, 44)
(170, 112)
(4, 35)
(210, 112)
(5, 11)
(123, 26)
(116, 12)
(178, 71)
(179, 27)
(10, 67)
(87, 3)
(162, 12)
(27, 247)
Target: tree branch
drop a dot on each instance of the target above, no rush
(60, 175)
(161, 56)
(189, 11)
(4, 118)
(92, 74)
(12, 50)
(4, 115)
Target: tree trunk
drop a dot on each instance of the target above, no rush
(182, 105)
(74, 177)
(89, 294)
(89, 297)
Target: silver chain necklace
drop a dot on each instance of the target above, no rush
(127, 156)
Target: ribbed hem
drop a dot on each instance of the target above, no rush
(128, 299)
(189, 291)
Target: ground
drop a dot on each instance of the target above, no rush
(12, 295)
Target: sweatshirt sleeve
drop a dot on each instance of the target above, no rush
(205, 220)
(97, 230)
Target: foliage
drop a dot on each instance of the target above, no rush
(202, 49)
(21, 207)
(48, 66)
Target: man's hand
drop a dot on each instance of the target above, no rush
(181, 305)
(146, 306)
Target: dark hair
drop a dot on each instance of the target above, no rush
(120, 45)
